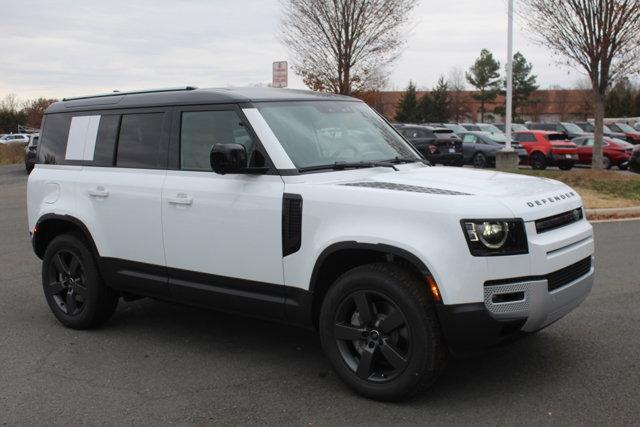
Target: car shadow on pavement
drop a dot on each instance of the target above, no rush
(532, 362)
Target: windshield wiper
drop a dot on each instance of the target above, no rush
(348, 165)
(410, 160)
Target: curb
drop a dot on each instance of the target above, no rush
(613, 214)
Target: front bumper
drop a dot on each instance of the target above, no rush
(511, 308)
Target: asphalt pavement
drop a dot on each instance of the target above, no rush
(156, 363)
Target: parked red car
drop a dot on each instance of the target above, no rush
(548, 149)
(616, 152)
(633, 136)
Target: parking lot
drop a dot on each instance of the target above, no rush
(159, 363)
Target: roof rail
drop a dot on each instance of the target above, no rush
(135, 92)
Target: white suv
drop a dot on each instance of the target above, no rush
(305, 208)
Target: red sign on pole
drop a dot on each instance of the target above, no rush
(280, 74)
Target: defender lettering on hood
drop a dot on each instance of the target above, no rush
(552, 199)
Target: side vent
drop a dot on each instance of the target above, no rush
(291, 223)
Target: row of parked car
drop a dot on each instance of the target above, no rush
(538, 144)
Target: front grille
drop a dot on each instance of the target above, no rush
(563, 277)
(550, 223)
(555, 280)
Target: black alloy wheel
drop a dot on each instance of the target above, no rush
(538, 161)
(67, 282)
(72, 285)
(379, 329)
(373, 336)
(479, 161)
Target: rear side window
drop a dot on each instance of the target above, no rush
(104, 154)
(53, 144)
(200, 130)
(141, 143)
(525, 137)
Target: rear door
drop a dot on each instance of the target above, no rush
(222, 233)
(119, 194)
(585, 150)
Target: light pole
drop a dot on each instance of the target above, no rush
(509, 111)
(507, 158)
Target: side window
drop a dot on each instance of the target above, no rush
(55, 133)
(589, 142)
(200, 130)
(469, 139)
(104, 154)
(141, 143)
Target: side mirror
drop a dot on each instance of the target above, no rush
(228, 158)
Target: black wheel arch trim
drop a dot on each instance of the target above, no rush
(64, 218)
(377, 247)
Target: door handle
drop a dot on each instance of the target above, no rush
(98, 192)
(180, 199)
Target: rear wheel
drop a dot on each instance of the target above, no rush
(606, 162)
(72, 285)
(565, 166)
(479, 161)
(538, 161)
(379, 330)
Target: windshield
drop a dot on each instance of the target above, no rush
(556, 137)
(625, 127)
(455, 128)
(316, 133)
(518, 127)
(572, 128)
(497, 137)
(489, 128)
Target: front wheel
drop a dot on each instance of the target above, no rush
(72, 285)
(379, 329)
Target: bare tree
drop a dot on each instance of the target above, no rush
(600, 36)
(458, 100)
(10, 103)
(344, 46)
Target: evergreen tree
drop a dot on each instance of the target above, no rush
(425, 108)
(407, 110)
(485, 77)
(524, 83)
(620, 100)
(440, 102)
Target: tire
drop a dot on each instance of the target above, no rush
(403, 360)
(565, 166)
(606, 162)
(538, 161)
(479, 161)
(72, 285)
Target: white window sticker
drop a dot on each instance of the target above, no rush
(82, 138)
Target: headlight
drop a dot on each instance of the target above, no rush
(495, 237)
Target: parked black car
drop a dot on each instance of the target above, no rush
(634, 161)
(480, 148)
(569, 129)
(30, 152)
(438, 145)
(589, 127)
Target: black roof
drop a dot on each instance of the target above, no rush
(188, 96)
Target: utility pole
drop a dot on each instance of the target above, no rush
(509, 77)
(507, 158)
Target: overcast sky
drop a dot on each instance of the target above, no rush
(62, 48)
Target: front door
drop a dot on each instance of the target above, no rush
(222, 233)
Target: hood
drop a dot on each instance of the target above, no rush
(527, 197)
